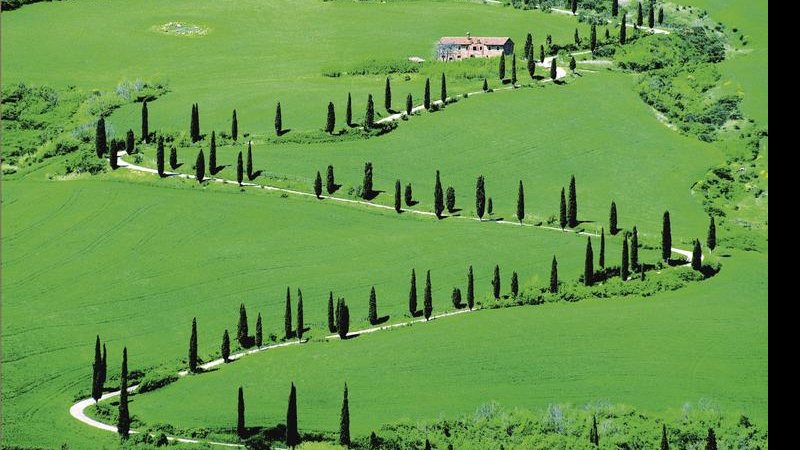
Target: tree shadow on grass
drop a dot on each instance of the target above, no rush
(176, 166)
(255, 175)
(335, 187)
(454, 211)
(283, 131)
(559, 82)
(372, 194)
(215, 170)
(351, 336)
(380, 320)
(417, 313)
(412, 203)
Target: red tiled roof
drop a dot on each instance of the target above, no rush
(463, 40)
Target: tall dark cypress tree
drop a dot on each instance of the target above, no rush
(331, 314)
(623, 28)
(344, 421)
(489, 208)
(330, 181)
(485, 85)
(192, 131)
(601, 259)
(367, 185)
(711, 440)
(145, 124)
(562, 211)
(514, 69)
(572, 205)
(588, 265)
(200, 167)
(593, 38)
(428, 304)
(240, 429)
(130, 143)
(428, 444)
(112, 154)
(160, 156)
(666, 237)
(398, 203)
(614, 8)
(450, 199)
(373, 307)
(318, 185)
(554, 276)
(387, 95)
(612, 219)
(528, 44)
(501, 70)
(480, 197)
(348, 114)
(330, 123)
(426, 99)
(97, 368)
(572, 64)
(250, 174)
(577, 38)
(239, 169)
(651, 16)
(470, 289)
(520, 202)
(408, 195)
(193, 347)
(259, 331)
(300, 323)
(196, 123)
(639, 18)
(634, 249)
(123, 415)
(242, 329)
(412, 294)
(212, 155)
(225, 348)
(660, 16)
(541, 54)
(594, 437)
(409, 105)
(292, 434)
(342, 318)
(496, 282)
(711, 239)
(624, 270)
(104, 367)
(287, 315)
(664, 440)
(514, 284)
(697, 255)
(369, 117)
(234, 127)
(574, 6)
(438, 197)
(531, 63)
(278, 120)
(173, 158)
(100, 138)
(444, 90)
(553, 69)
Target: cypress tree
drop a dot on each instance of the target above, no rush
(639, 14)
(408, 195)
(612, 219)
(193, 347)
(554, 276)
(278, 120)
(196, 124)
(572, 64)
(601, 259)
(369, 117)
(287, 316)
(97, 368)
(300, 324)
(200, 167)
(173, 158)
(123, 416)
(496, 283)
(514, 69)
(608, 34)
(412, 294)
(480, 197)
(112, 155)
(660, 16)
(130, 143)
(531, 63)
(485, 85)
(259, 331)
(240, 430)
(697, 255)
(553, 70)
(342, 318)
(489, 207)
(318, 185)
(103, 367)
(635, 249)
(574, 6)
(428, 305)
(398, 205)
(444, 90)
(450, 199)
(594, 438)
(239, 169)
(192, 122)
(409, 105)
(614, 7)
(160, 156)
(562, 211)
(331, 314)
(330, 181)
(292, 435)
(711, 440)
(624, 271)
(514, 284)
(572, 206)
(577, 38)
(426, 100)
(622, 28)
(145, 125)
(427, 444)
(641, 272)
(501, 70)
(367, 180)
(344, 421)
(226, 346)
(541, 54)
(373, 307)
(330, 124)
(100, 141)
(588, 267)
(593, 38)
(456, 297)
(528, 44)
(242, 329)
(250, 174)
(438, 197)
(664, 440)
(348, 114)
(651, 17)
(234, 127)
(666, 237)
(711, 240)
(520, 202)
(387, 96)
(212, 155)
(374, 442)
(470, 289)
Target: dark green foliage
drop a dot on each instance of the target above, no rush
(496, 282)
(635, 248)
(450, 199)
(239, 169)
(664, 440)
(624, 271)
(398, 201)
(443, 97)
(711, 440)
(242, 329)
(387, 95)
(601, 259)
(520, 202)
(528, 44)
(588, 265)
(330, 181)
(408, 195)
(480, 197)
(428, 302)
(623, 28)
(212, 155)
(145, 124)
(194, 125)
(577, 39)
(612, 219)
(292, 434)
(234, 127)
(572, 205)
(608, 34)
(200, 167)
(300, 323)
(562, 211)
(373, 307)
(593, 38)
(554, 276)
(427, 444)
(226, 346)
(240, 429)
(330, 123)
(104, 366)
(123, 415)
(426, 100)
(594, 438)
(409, 104)
(318, 185)
(489, 206)
(438, 197)
(331, 314)
(711, 240)
(485, 85)
(374, 442)
(574, 6)
(100, 142)
(348, 113)
(367, 185)
(501, 70)
(541, 54)
(173, 158)
(130, 143)
(456, 297)
(193, 347)
(531, 63)
(660, 16)
(514, 284)
(112, 154)
(639, 15)
(553, 69)
(666, 237)
(278, 120)
(614, 7)
(572, 64)
(97, 369)
(342, 318)
(287, 315)
(514, 69)
(651, 17)
(259, 331)
(412, 294)
(470, 289)
(697, 255)
(344, 420)
(250, 174)
(160, 156)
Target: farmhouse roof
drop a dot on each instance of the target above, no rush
(467, 40)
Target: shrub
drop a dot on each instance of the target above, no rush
(84, 161)
(155, 380)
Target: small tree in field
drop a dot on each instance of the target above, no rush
(259, 331)
(412, 294)
(528, 44)
(278, 120)
(369, 117)
(697, 255)
(408, 195)
(593, 38)
(409, 105)
(287, 315)
(234, 127)
(489, 206)
(664, 440)
(711, 440)
(226, 346)
(624, 271)
(145, 123)
(318, 185)
(572, 64)
(514, 284)
(160, 157)
(200, 167)
(426, 99)
(496, 282)
(97, 385)
(240, 428)
(450, 199)
(666, 237)
(541, 54)
(470, 289)
(428, 301)
(300, 322)
(553, 69)
(660, 16)
(554, 276)
(480, 197)
(651, 17)
(398, 203)
(344, 420)
(514, 69)
(601, 259)
(367, 185)
(623, 28)
(387, 95)
(213, 169)
(443, 97)
(456, 297)
(485, 85)
(342, 318)
(373, 307)
(501, 70)
(438, 197)
(330, 181)
(594, 437)
(239, 169)
(242, 330)
(711, 240)
(173, 158)
(113, 155)
(130, 143)
(520, 202)
(193, 347)
(348, 113)
(634, 248)
(562, 211)
(531, 64)
(250, 174)
(331, 314)
(574, 6)
(614, 7)
(123, 413)
(100, 139)
(577, 38)
(572, 205)
(292, 434)
(612, 219)
(639, 15)
(588, 267)
(330, 123)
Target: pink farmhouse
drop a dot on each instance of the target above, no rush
(455, 48)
